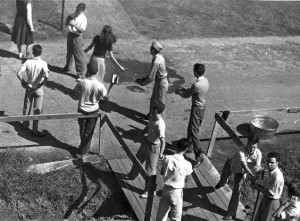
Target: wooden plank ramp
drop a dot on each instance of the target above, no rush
(201, 201)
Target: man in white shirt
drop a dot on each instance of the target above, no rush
(271, 188)
(90, 92)
(245, 161)
(76, 24)
(36, 74)
(175, 170)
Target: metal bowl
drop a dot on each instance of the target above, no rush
(263, 127)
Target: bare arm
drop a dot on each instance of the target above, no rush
(247, 170)
(29, 16)
(162, 147)
(185, 92)
(89, 47)
(112, 57)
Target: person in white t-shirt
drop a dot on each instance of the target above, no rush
(36, 75)
(175, 170)
(246, 161)
(76, 24)
(90, 91)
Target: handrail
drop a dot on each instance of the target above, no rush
(47, 117)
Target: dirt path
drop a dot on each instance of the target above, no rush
(244, 73)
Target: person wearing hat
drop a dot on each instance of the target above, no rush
(158, 74)
(90, 91)
(245, 161)
(152, 147)
(76, 24)
(198, 92)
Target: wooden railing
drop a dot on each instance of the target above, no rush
(222, 117)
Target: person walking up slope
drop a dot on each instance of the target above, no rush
(175, 170)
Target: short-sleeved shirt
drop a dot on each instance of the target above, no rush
(156, 130)
(176, 168)
(36, 69)
(199, 91)
(291, 211)
(101, 47)
(80, 21)
(274, 182)
(242, 156)
(158, 70)
(91, 90)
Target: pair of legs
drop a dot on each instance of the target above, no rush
(35, 98)
(147, 152)
(266, 209)
(235, 197)
(159, 92)
(27, 51)
(171, 201)
(86, 130)
(75, 49)
(100, 62)
(193, 131)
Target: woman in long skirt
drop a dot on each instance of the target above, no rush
(103, 43)
(22, 33)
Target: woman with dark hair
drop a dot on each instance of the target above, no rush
(103, 43)
(22, 32)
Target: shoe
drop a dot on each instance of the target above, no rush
(38, 134)
(229, 217)
(128, 177)
(199, 160)
(65, 69)
(218, 186)
(145, 195)
(146, 117)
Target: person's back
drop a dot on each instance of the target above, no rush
(200, 88)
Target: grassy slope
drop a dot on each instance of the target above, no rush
(213, 18)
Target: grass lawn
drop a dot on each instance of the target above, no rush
(177, 19)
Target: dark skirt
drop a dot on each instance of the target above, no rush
(21, 34)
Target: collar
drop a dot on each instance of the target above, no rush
(200, 78)
(178, 156)
(274, 171)
(92, 78)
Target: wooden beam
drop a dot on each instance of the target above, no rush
(214, 134)
(228, 130)
(47, 117)
(64, 164)
(131, 156)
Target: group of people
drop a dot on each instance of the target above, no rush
(175, 168)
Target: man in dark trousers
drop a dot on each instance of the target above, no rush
(90, 92)
(198, 92)
(76, 24)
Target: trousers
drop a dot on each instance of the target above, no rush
(86, 130)
(35, 98)
(266, 209)
(159, 92)
(193, 131)
(171, 201)
(238, 178)
(75, 50)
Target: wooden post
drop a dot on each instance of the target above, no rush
(152, 188)
(62, 16)
(214, 134)
(100, 153)
(227, 128)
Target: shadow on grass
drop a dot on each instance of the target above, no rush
(58, 70)
(138, 69)
(65, 90)
(8, 54)
(5, 29)
(109, 106)
(48, 140)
